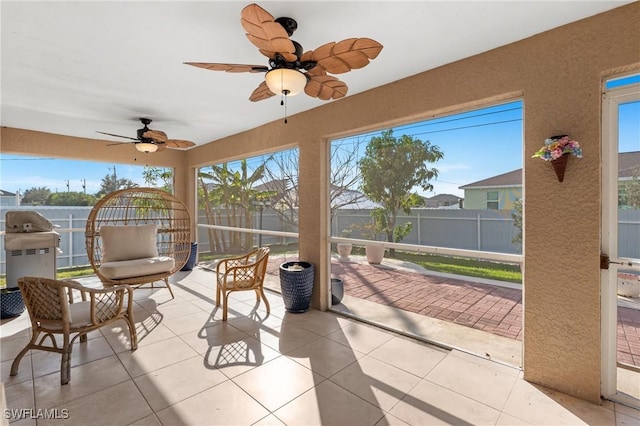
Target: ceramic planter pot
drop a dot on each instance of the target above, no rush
(375, 254)
(344, 250)
(628, 284)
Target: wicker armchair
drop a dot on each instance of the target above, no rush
(135, 217)
(52, 311)
(242, 273)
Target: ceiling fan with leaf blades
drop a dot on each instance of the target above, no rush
(290, 70)
(153, 140)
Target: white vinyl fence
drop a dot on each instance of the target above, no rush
(481, 230)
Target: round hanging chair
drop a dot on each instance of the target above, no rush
(138, 236)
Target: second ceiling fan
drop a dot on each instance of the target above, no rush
(291, 71)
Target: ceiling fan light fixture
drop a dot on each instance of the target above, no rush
(146, 147)
(285, 81)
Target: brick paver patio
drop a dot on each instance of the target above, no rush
(486, 307)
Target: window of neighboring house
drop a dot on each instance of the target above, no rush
(492, 200)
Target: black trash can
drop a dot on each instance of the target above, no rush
(296, 286)
(337, 290)
(191, 262)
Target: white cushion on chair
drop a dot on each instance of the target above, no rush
(128, 242)
(137, 267)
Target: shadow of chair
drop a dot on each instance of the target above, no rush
(54, 310)
(138, 236)
(242, 273)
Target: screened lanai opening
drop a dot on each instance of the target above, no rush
(441, 202)
(64, 192)
(246, 204)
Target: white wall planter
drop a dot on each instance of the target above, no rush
(628, 284)
(375, 254)
(344, 250)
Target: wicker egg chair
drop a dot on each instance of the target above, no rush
(134, 213)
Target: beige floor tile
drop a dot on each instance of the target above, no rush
(329, 404)
(177, 309)
(118, 405)
(322, 323)
(257, 325)
(277, 382)
(270, 420)
(49, 362)
(215, 334)
(389, 420)
(325, 356)
(85, 379)
(538, 405)
(430, 404)
(18, 397)
(150, 420)
(155, 356)
(361, 337)
(11, 346)
(149, 332)
(381, 384)
(24, 371)
(288, 338)
(171, 384)
(484, 381)
(507, 420)
(187, 323)
(225, 404)
(409, 355)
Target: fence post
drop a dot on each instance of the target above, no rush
(419, 230)
(70, 240)
(478, 226)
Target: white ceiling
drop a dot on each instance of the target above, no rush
(76, 67)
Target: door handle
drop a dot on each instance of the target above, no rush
(605, 261)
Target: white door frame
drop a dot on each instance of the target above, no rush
(611, 99)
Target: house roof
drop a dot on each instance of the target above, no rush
(513, 178)
(627, 163)
(4, 193)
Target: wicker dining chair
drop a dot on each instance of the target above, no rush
(54, 310)
(242, 273)
(122, 223)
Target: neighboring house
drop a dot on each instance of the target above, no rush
(9, 199)
(494, 193)
(443, 201)
(501, 191)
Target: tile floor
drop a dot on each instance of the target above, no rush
(295, 369)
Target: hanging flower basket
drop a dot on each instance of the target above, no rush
(557, 150)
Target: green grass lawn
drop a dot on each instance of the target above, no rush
(449, 264)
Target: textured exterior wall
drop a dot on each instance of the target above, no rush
(559, 75)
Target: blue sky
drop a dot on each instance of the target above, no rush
(477, 145)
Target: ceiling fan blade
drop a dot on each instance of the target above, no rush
(325, 87)
(262, 92)
(229, 67)
(178, 143)
(117, 136)
(161, 146)
(341, 57)
(266, 34)
(156, 135)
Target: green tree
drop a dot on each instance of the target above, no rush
(111, 183)
(36, 196)
(158, 178)
(517, 222)
(629, 194)
(390, 169)
(71, 199)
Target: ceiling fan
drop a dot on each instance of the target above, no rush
(291, 71)
(153, 140)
